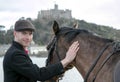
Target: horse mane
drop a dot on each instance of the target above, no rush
(71, 33)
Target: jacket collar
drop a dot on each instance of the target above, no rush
(18, 45)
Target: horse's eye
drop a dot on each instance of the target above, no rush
(48, 47)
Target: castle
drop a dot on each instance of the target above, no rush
(55, 13)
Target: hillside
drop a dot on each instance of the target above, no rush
(44, 32)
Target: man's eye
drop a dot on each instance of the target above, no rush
(23, 32)
(30, 33)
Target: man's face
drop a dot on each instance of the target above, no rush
(23, 37)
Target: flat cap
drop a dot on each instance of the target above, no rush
(21, 25)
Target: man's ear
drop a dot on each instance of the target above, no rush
(14, 33)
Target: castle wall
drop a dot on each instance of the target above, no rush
(55, 13)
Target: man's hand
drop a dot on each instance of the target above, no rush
(71, 54)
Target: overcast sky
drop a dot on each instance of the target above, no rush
(102, 12)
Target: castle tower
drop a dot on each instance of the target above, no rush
(56, 7)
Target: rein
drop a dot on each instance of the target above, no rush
(115, 48)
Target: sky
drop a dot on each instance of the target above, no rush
(101, 12)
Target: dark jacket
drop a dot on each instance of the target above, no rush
(18, 67)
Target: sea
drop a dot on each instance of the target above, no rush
(70, 76)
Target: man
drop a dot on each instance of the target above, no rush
(18, 66)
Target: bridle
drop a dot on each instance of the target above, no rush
(54, 47)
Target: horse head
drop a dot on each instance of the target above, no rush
(53, 53)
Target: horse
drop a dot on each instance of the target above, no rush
(97, 60)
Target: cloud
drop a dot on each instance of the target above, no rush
(103, 12)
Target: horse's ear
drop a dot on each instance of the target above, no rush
(55, 27)
(75, 25)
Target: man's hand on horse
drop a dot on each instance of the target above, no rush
(71, 54)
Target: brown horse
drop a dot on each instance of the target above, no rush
(97, 59)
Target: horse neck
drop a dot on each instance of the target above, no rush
(86, 55)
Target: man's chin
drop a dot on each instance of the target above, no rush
(26, 45)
